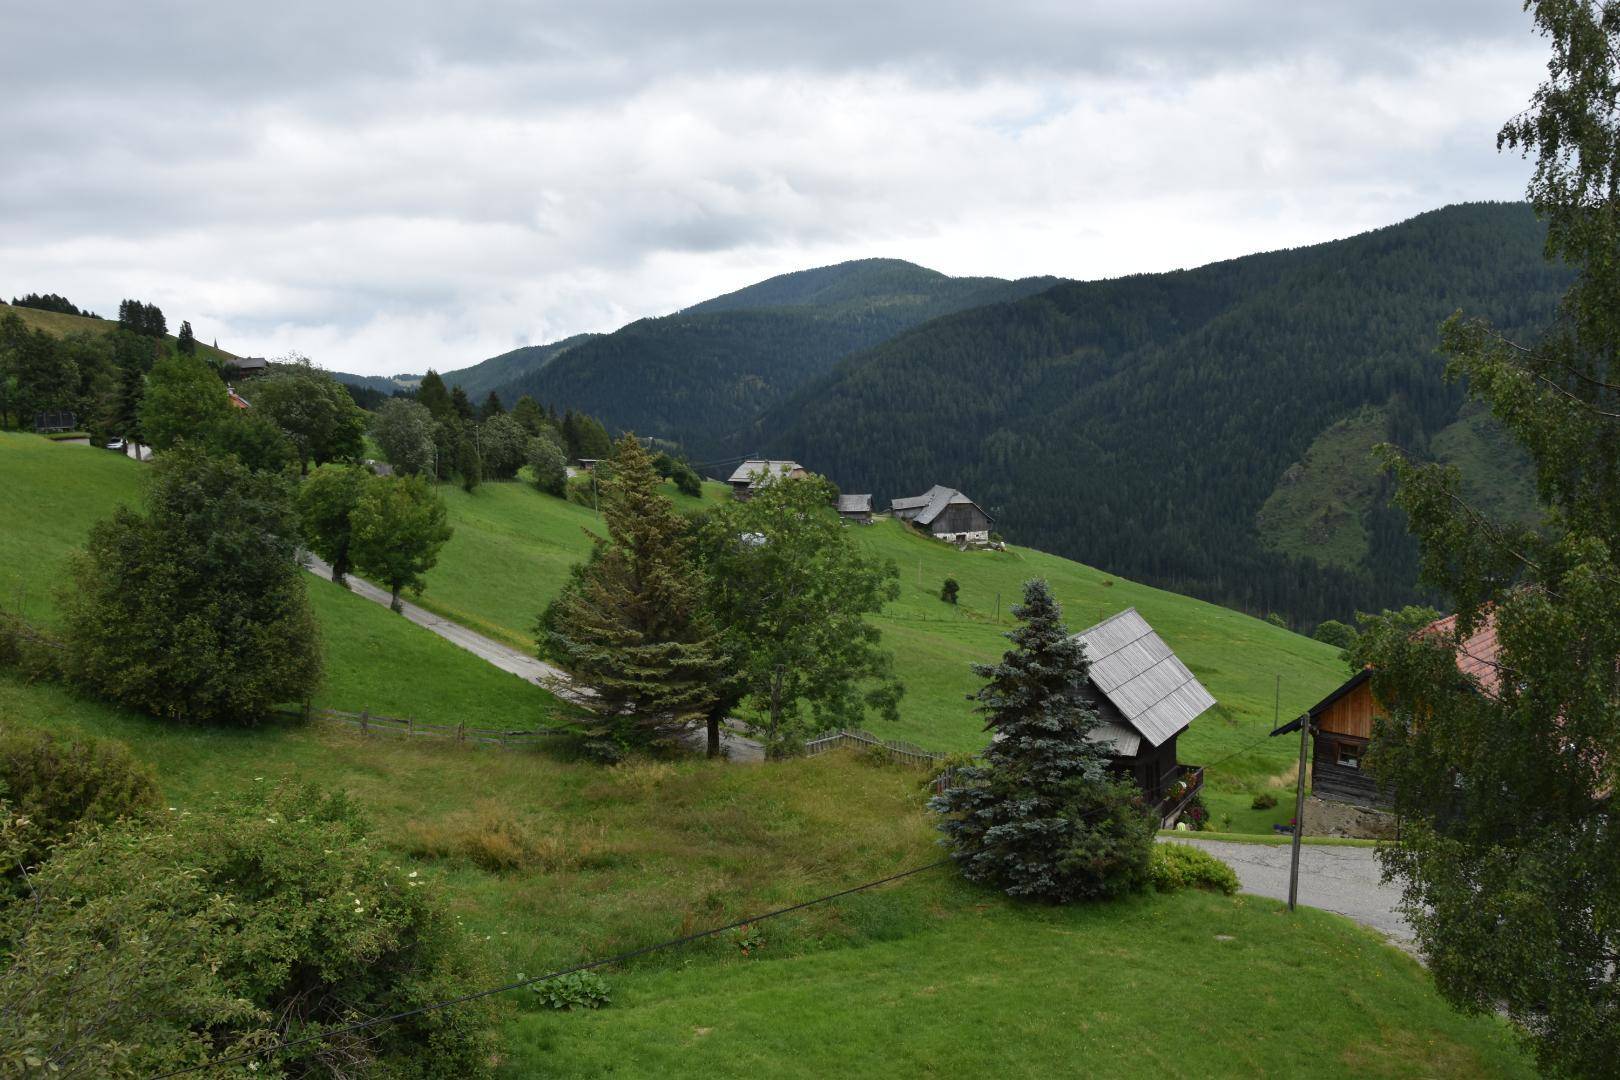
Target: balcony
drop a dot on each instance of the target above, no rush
(1187, 784)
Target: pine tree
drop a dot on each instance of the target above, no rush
(186, 342)
(1039, 819)
(629, 625)
(460, 403)
(492, 406)
(433, 395)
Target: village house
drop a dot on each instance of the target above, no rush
(855, 508)
(244, 367)
(747, 476)
(1345, 800)
(946, 514)
(1147, 697)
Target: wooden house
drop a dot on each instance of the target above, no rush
(747, 476)
(243, 367)
(855, 508)
(1147, 698)
(1342, 723)
(945, 514)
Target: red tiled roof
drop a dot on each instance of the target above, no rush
(1478, 656)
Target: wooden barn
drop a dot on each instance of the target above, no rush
(1147, 698)
(1342, 723)
(855, 508)
(945, 514)
(747, 476)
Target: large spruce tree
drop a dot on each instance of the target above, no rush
(630, 625)
(1039, 818)
(1509, 854)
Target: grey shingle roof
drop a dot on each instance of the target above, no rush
(854, 504)
(932, 504)
(1134, 669)
(1125, 741)
(750, 469)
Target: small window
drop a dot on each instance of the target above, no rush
(1349, 755)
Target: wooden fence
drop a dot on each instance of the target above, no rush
(903, 752)
(370, 724)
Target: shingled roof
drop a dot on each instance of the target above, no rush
(1138, 673)
(933, 503)
(854, 504)
(751, 470)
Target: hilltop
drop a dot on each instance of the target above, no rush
(1143, 423)
(60, 324)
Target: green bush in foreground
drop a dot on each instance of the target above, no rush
(1182, 866)
(577, 990)
(148, 947)
(56, 785)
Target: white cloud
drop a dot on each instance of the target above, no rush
(442, 196)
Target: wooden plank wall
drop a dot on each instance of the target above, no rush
(1350, 715)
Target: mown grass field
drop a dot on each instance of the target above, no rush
(548, 862)
(51, 494)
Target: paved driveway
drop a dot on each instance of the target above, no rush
(1344, 880)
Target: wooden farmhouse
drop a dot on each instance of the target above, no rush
(748, 475)
(1147, 698)
(244, 367)
(1342, 723)
(855, 508)
(946, 514)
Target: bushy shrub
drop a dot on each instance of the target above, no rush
(576, 990)
(150, 946)
(581, 489)
(57, 785)
(1195, 814)
(1263, 800)
(27, 650)
(195, 610)
(948, 592)
(1181, 866)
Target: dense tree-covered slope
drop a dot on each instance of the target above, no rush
(1142, 423)
(496, 372)
(702, 374)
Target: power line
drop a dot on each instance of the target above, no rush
(629, 955)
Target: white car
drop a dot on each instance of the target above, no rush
(116, 444)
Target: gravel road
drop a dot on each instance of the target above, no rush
(1344, 880)
(508, 659)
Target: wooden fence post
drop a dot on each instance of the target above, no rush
(461, 733)
(365, 721)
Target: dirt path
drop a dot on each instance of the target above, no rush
(511, 660)
(1343, 880)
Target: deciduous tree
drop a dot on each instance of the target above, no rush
(195, 610)
(184, 399)
(314, 410)
(399, 526)
(1509, 856)
(548, 464)
(404, 429)
(327, 500)
(793, 591)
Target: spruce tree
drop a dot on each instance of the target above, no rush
(1039, 818)
(492, 406)
(433, 395)
(630, 624)
(460, 403)
(187, 341)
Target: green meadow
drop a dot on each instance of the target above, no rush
(548, 862)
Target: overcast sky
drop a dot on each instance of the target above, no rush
(386, 187)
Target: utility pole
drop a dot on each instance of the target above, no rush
(1299, 812)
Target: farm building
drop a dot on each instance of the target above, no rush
(246, 366)
(1342, 723)
(1147, 698)
(856, 508)
(945, 514)
(746, 476)
(237, 400)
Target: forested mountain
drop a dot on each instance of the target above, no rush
(1143, 423)
(496, 372)
(704, 373)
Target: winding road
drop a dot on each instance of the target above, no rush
(511, 660)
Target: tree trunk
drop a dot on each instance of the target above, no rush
(393, 603)
(714, 734)
(340, 567)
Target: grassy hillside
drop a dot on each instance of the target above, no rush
(58, 324)
(54, 492)
(549, 862)
(513, 547)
